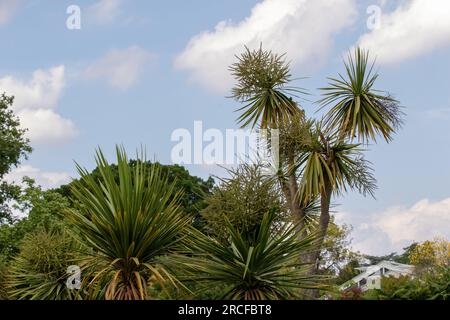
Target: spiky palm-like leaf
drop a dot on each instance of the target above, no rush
(3, 278)
(265, 268)
(357, 108)
(329, 160)
(262, 79)
(128, 224)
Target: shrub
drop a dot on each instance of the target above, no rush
(353, 293)
(433, 285)
(242, 199)
(39, 271)
(265, 267)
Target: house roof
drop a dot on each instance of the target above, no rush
(370, 270)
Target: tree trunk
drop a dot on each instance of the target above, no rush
(290, 190)
(324, 221)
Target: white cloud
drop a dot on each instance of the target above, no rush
(301, 28)
(43, 91)
(416, 27)
(45, 179)
(120, 67)
(45, 125)
(35, 103)
(105, 11)
(398, 227)
(7, 10)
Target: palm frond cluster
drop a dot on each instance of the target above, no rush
(263, 267)
(358, 109)
(262, 79)
(128, 225)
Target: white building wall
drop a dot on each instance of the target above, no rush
(374, 282)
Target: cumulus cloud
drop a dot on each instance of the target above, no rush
(120, 67)
(42, 91)
(45, 179)
(105, 11)
(416, 27)
(303, 29)
(47, 126)
(7, 10)
(36, 102)
(398, 227)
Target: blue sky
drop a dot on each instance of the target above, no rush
(138, 70)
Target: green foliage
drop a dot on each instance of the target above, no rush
(405, 256)
(134, 219)
(353, 293)
(430, 255)
(294, 135)
(39, 271)
(336, 257)
(45, 207)
(10, 239)
(266, 267)
(329, 161)
(210, 292)
(3, 279)
(45, 211)
(129, 224)
(391, 284)
(400, 258)
(194, 189)
(434, 285)
(189, 290)
(242, 199)
(347, 272)
(317, 158)
(358, 109)
(8, 192)
(262, 79)
(13, 146)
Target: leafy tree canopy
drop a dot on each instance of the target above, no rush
(13, 146)
(394, 256)
(43, 210)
